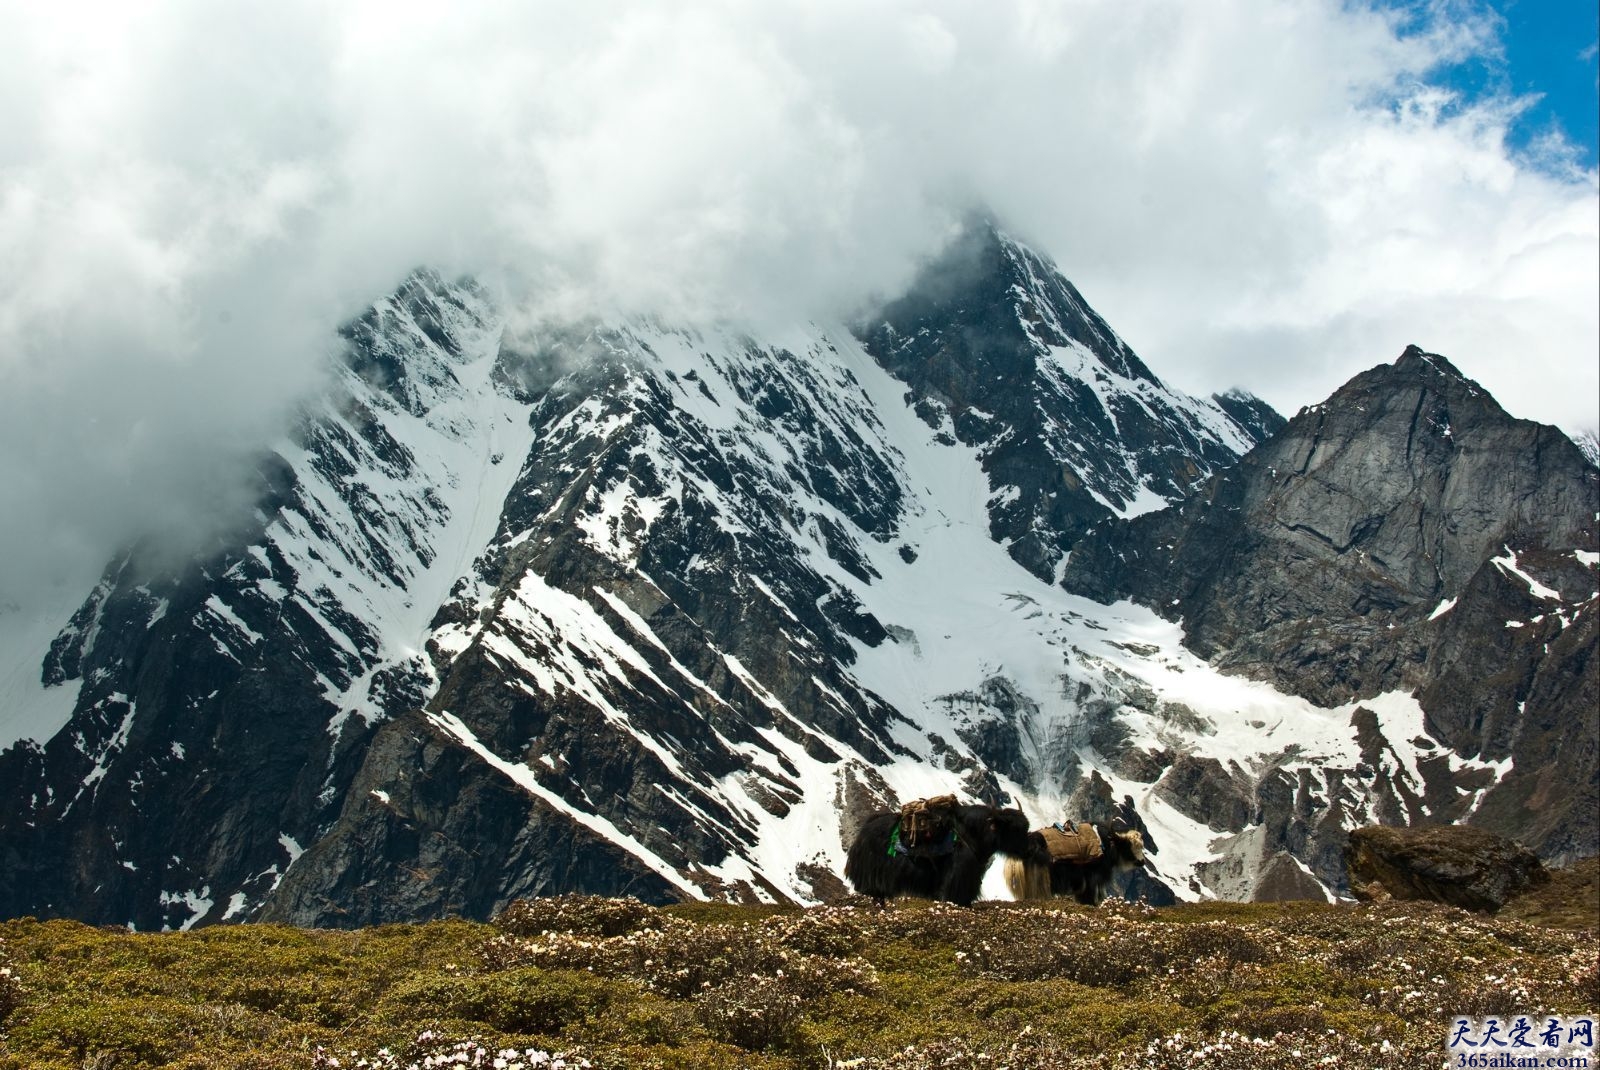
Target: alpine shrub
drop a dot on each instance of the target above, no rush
(581, 915)
(10, 985)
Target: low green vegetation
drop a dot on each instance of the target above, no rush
(578, 981)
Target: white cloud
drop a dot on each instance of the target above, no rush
(1265, 193)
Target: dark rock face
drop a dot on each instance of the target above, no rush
(1513, 674)
(1465, 867)
(1201, 789)
(1284, 880)
(1407, 534)
(1004, 354)
(401, 847)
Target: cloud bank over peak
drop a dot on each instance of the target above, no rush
(193, 197)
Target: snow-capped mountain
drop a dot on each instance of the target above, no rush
(635, 607)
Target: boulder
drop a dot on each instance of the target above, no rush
(1465, 867)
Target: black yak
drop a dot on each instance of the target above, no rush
(1082, 864)
(948, 866)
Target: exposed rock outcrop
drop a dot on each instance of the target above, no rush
(1466, 867)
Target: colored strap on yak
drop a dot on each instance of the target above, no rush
(894, 840)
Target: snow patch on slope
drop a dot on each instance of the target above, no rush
(1508, 565)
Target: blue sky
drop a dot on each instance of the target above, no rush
(1551, 49)
(1547, 51)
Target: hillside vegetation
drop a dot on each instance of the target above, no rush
(614, 983)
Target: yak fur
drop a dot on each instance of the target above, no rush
(1087, 882)
(948, 872)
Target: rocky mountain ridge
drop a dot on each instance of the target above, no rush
(631, 608)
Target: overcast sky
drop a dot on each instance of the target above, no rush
(1274, 194)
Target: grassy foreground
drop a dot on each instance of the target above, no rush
(613, 983)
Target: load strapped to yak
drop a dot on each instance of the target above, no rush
(1079, 845)
(927, 826)
(1085, 860)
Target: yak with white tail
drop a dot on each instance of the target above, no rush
(1083, 862)
(937, 849)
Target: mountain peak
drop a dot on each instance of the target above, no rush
(1417, 385)
(1380, 544)
(1253, 414)
(1418, 360)
(1434, 371)
(1002, 353)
